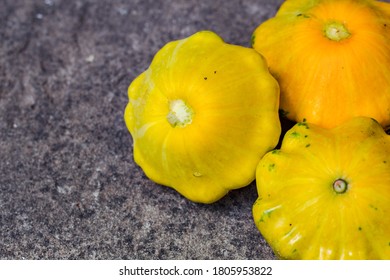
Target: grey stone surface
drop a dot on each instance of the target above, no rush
(69, 188)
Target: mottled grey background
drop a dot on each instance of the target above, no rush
(69, 188)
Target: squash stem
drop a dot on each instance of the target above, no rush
(340, 186)
(180, 114)
(336, 31)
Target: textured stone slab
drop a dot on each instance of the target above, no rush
(69, 188)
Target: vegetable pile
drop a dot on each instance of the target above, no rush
(204, 118)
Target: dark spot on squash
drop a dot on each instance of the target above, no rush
(290, 225)
(360, 228)
(215, 71)
(304, 124)
(295, 134)
(205, 78)
(302, 15)
(307, 146)
(266, 214)
(373, 207)
(253, 40)
(271, 167)
(371, 132)
(384, 161)
(306, 136)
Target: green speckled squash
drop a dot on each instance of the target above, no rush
(326, 193)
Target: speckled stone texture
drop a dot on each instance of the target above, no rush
(69, 188)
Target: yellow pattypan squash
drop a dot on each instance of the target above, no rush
(202, 115)
(331, 59)
(326, 193)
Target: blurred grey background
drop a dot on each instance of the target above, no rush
(69, 188)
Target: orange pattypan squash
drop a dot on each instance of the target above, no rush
(202, 115)
(331, 59)
(326, 193)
